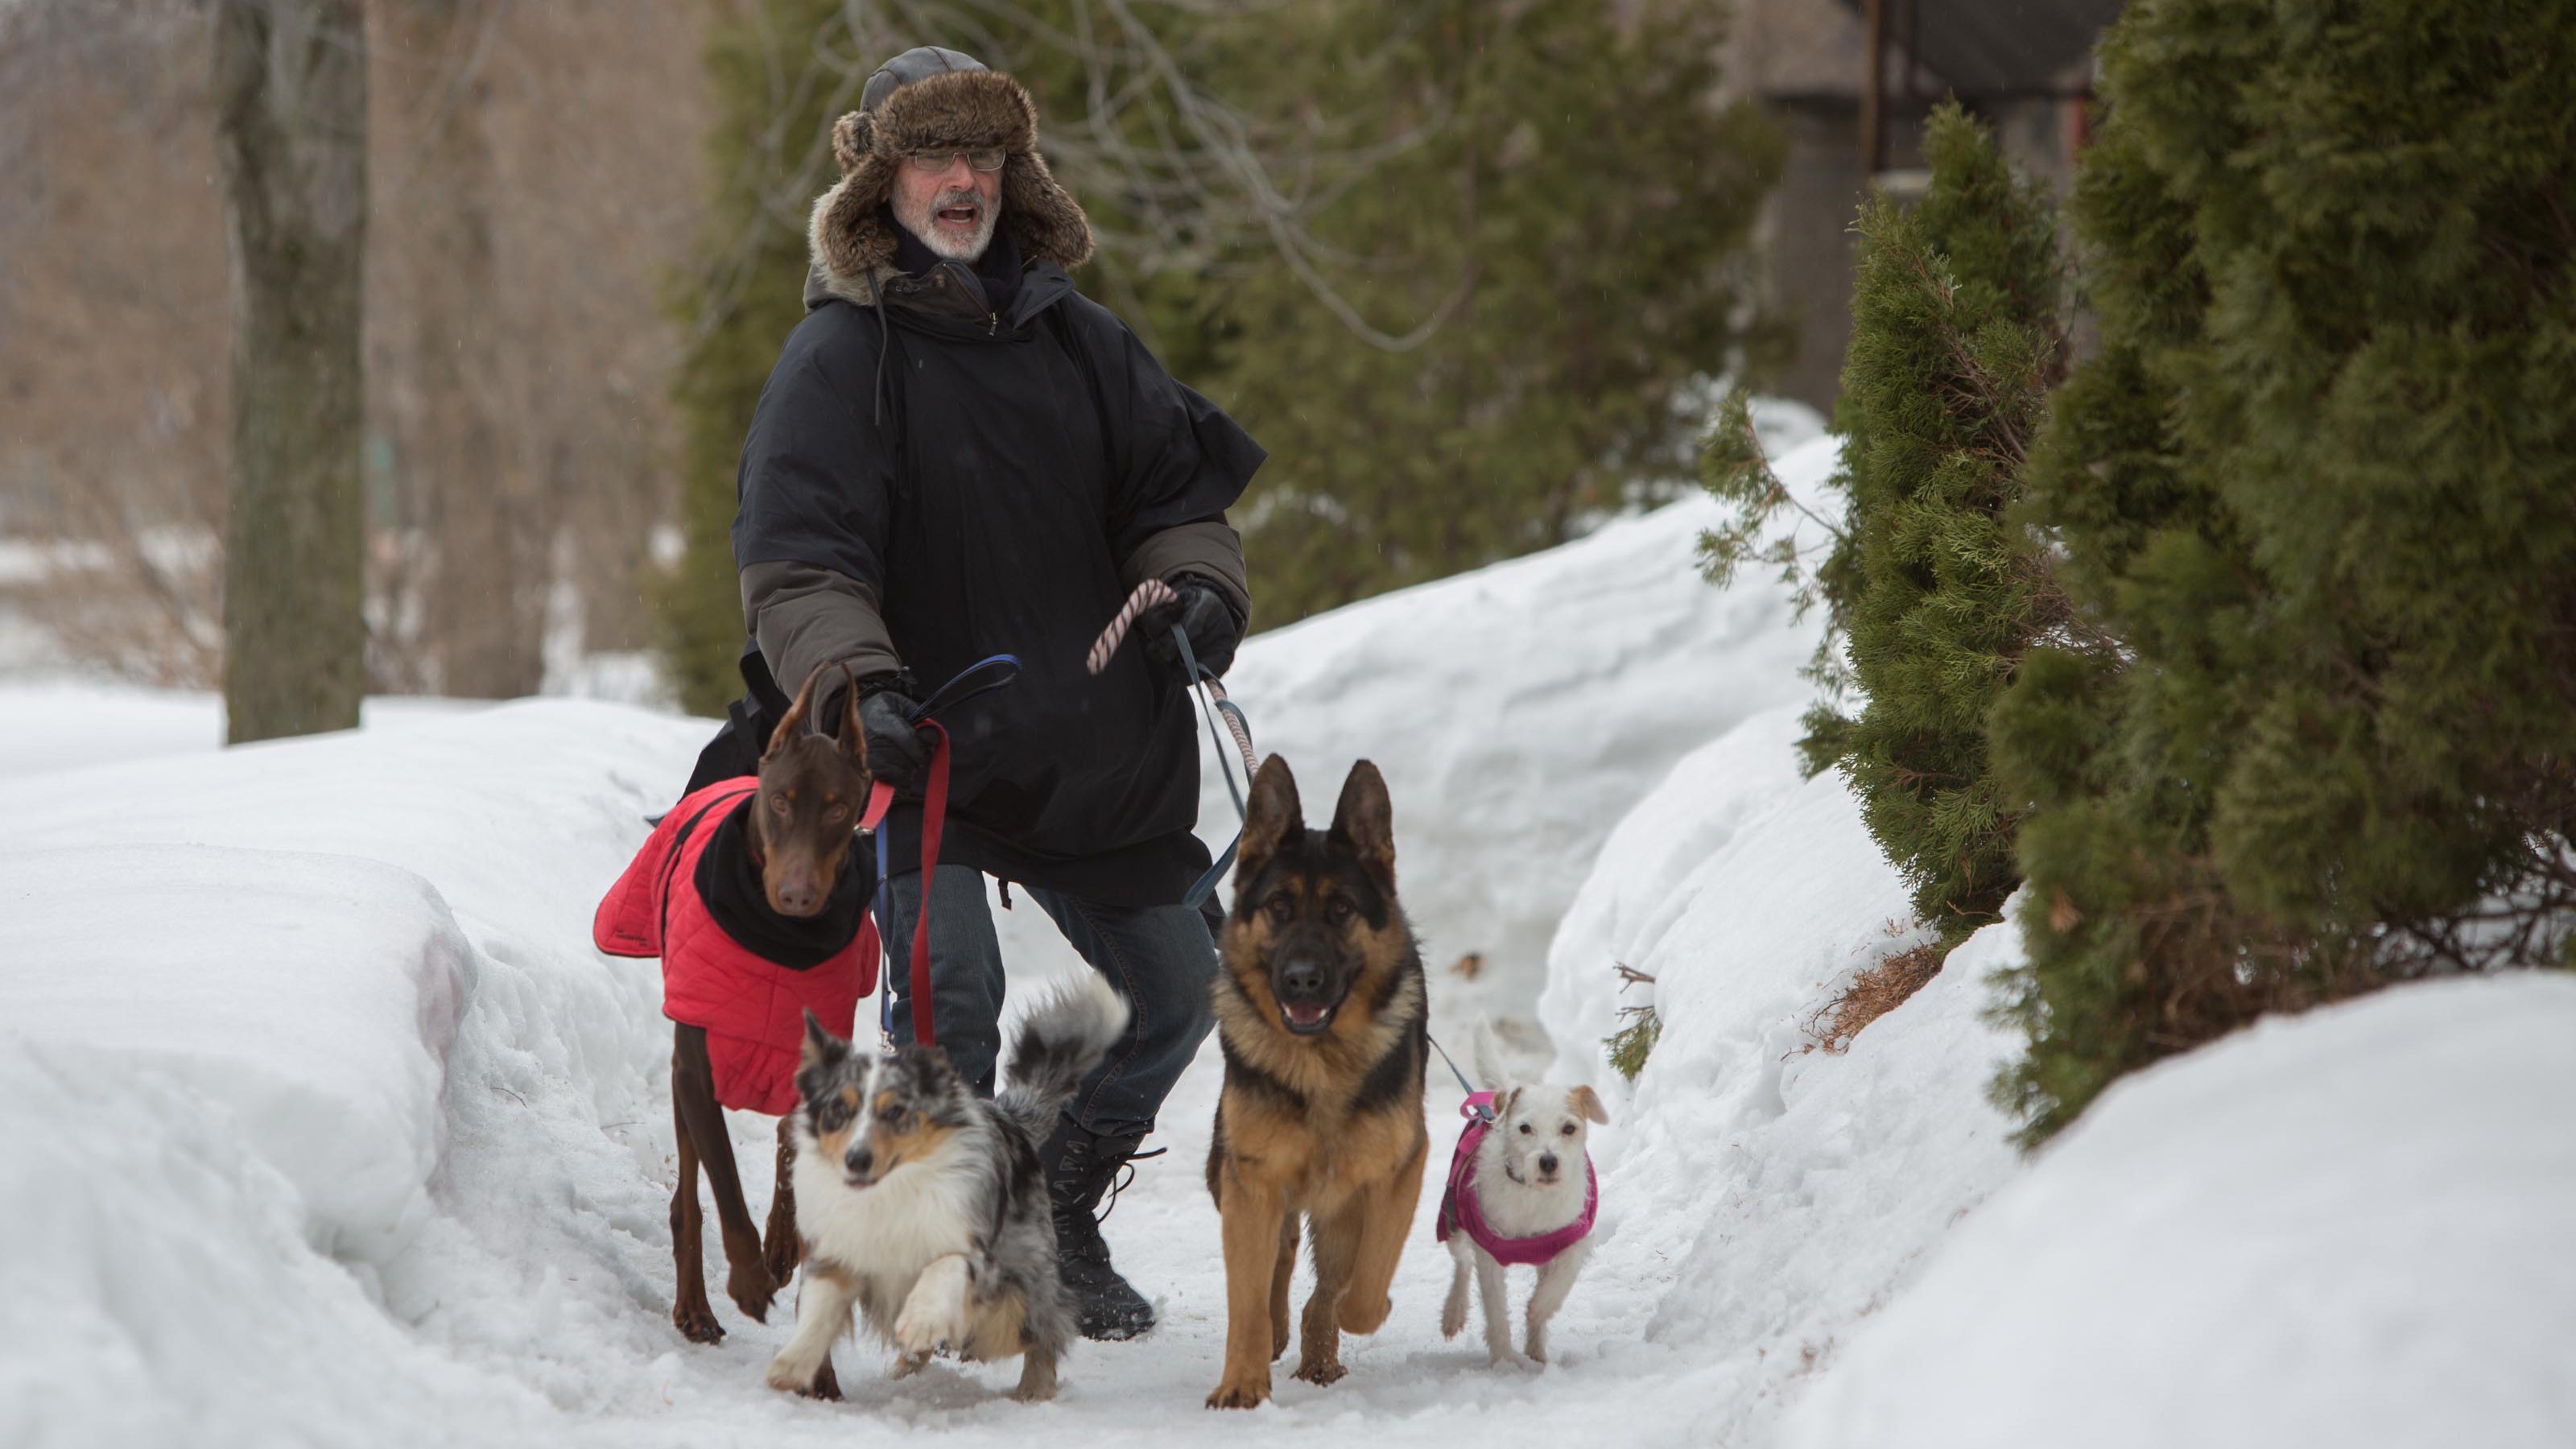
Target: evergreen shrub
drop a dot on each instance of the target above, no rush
(1932, 594)
(2320, 484)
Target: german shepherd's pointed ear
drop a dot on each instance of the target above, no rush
(1365, 821)
(854, 740)
(1269, 817)
(792, 724)
(822, 1049)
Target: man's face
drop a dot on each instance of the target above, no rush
(949, 204)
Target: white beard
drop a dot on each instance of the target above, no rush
(921, 223)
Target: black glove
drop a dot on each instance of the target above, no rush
(1203, 614)
(898, 750)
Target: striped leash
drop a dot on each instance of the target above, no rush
(1151, 594)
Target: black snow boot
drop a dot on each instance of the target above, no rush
(1080, 1166)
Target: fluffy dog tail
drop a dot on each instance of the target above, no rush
(1057, 1046)
(1485, 1058)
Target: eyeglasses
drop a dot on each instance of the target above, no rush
(941, 160)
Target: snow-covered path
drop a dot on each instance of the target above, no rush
(321, 1123)
(381, 978)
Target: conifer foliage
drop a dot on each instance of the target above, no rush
(1929, 587)
(2321, 486)
(1561, 238)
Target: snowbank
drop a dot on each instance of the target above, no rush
(158, 1284)
(1764, 1194)
(1638, 884)
(2348, 1227)
(354, 1092)
(311, 999)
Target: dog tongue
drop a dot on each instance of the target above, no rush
(1303, 1014)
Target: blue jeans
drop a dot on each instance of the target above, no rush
(1160, 958)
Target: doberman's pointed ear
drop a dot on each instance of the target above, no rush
(1269, 817)
(1365, 821)
(1587, 1103)
(854, 740)
(792, 724)
(822, 1049)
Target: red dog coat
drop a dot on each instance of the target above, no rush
(752, 1009)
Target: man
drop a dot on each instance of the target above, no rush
(958, 455)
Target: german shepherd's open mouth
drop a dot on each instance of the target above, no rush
(1305, 1013)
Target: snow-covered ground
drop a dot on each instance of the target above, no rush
(2349, 1227)
(321, 1123)
(62, 723)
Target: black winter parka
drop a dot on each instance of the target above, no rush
(990, 483)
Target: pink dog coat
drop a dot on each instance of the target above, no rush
(1460, 1212)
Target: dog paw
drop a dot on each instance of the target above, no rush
(919, 1335)
(751, 1289)
(1328, 1371)
(787, 1379)
(827, 1384)
(906, 1365)
(1036, 1386)
(697, 1323)
(1511, 1358)
(1240, 1393)
(934, 1312)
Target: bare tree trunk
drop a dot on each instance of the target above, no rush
(484, 611)
(290, 88)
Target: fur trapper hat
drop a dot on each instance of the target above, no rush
(931, 99)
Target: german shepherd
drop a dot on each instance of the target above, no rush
(1321, 1011)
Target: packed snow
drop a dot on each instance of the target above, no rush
(2348, 1227)
(326, 1125)
(1761, 1191)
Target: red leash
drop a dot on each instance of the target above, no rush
(981, 677)
(934, 816)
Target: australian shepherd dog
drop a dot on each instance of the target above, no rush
(926, 1209)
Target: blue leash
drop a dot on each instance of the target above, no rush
(1483, 1110)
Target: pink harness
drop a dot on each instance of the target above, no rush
(1460, 1212)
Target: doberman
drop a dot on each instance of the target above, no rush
(799, 830)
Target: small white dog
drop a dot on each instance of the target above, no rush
(1521, 1190)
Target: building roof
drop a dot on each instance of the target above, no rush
(1996, 47)
(1780, 49)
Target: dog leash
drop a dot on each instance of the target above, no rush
(1213, 704)
(961, 687)
(1479, 1105)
